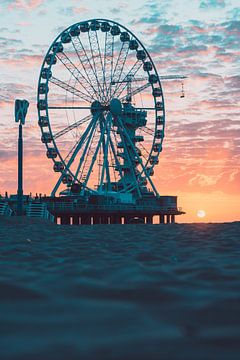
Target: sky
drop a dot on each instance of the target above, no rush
(200, 162)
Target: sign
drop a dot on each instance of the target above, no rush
(21, 108)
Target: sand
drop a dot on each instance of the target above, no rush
(119, 292)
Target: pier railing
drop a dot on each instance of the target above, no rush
(71, 206)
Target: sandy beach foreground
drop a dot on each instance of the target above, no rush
(119, 292)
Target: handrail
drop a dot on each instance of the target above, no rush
(110, 207)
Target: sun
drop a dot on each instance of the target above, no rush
(201, 213)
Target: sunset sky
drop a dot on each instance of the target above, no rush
(200, 161)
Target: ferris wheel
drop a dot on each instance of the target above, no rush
(101, 109)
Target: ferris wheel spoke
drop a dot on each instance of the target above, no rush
(97, 60)
(71, 151)
(109, 90)
(71, 127)
(69, 107)
(121, 85)
(76, 73)
(84, 60)
(146, 154)
(70, 89)
(108, 56)
(136, 91)
(147, 130)
(121, 60)
(145, 108)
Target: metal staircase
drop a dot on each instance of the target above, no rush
(39, 210)
(5, 209)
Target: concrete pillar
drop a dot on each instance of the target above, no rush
(75, 220)
(168, 219)
(126, 219)
(149, 219)
(172, 219)
(161, 219)
(115, 219)
(104, 219)
(65, 220)
(85, 220)
(96, 219)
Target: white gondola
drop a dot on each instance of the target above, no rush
(150, 171)
(74, 31)
(105, 27)
(157, 92)
(66, 38)
(154, 160)
(58, 166)
(51, 59)
(153, 79)
(46, 138)
(46, 73)
(95, 25)
(42, 104)
(133, 44)
(160, 120)
(159, 105)
(57, 47)
(124, 36)
(147, 66)
(159, 134)
(43, 121)
(115, 30)
(51, 153)
(67, 179)
(141, 55)
(157, 147)
(84, 27)
(43, 88)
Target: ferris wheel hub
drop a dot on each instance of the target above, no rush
(115, 107)
(96, 107)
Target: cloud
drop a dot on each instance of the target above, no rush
(208, 4)
(23, 4)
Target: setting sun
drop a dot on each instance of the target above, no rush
(201, 213)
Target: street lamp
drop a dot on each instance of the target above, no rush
(21, 108)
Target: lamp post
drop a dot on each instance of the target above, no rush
(21, 107)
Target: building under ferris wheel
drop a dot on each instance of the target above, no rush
(102, 118)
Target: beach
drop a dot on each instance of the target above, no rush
(111, 292)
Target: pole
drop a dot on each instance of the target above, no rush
(21, 107)
(20, 173)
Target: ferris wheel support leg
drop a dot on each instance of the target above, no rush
(105, 144)
(86, 147)
(74, 154)
(94, 156)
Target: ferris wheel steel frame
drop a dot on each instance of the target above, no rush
(104, 104)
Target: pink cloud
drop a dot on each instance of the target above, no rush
(25, 4)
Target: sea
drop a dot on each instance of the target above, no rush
(119, 292)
